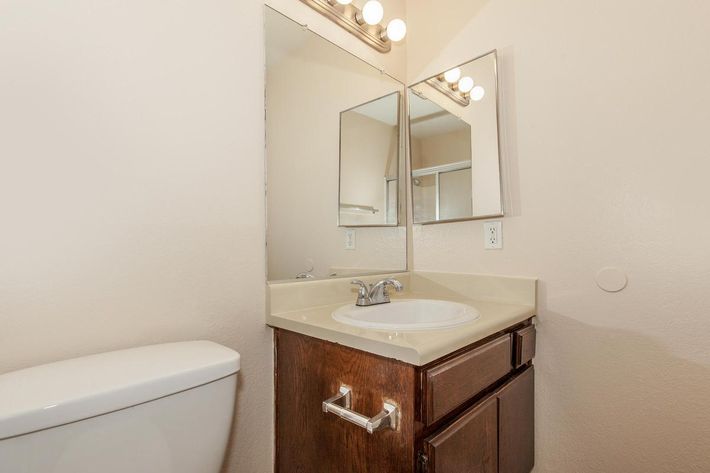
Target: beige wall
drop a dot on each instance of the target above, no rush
(131, 184)
(605, 163)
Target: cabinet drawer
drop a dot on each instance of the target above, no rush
(453, 382)
(523, 346)
(468, 444)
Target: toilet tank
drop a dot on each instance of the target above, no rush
(160, 409)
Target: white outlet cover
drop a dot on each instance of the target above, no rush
(349, 238)
(493, 235)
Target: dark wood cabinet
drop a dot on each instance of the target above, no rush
(468, 444)
(470, 411)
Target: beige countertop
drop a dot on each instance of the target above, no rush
(416, 348)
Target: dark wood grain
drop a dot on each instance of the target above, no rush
(516, 424)
(524, 345)
(448, 385)
(468, 444)
(308, 440)
(469, 411)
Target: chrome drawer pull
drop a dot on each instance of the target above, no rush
(341, 403)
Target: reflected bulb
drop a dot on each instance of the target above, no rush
(373, 12)
(452, 76)
(477, 93)
(396, 30)
(466, 84)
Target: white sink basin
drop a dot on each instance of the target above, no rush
(408, 315)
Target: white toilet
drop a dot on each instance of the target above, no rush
(156, 409)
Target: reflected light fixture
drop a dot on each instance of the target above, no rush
(450, 90)
(477, 93)
(465, 84)
(365, 23)
(452, 76)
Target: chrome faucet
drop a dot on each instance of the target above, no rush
(373, 294)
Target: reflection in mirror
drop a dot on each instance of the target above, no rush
(453, 121)
(317, 95)
(369, 163)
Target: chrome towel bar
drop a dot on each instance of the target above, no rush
(341, 405)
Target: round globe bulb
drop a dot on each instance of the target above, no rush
(373, 12)
(465, 84)
(477, 93)
(396, 30)
(452, 76)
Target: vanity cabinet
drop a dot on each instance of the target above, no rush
(469, 411)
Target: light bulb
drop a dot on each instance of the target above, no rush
(452, 76)
(465, 84)
(372, 12)
(396, 30)
(345, 2)
(477, 93)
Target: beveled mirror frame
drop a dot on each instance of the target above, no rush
(498, 138)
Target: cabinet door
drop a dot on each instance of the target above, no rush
(469, 444)
(308, 440)
(516, 418)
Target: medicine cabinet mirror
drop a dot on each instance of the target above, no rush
(335, 206)
(454, 145)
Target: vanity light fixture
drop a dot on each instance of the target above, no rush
(396, 30)
(365, 23)
(373, 12)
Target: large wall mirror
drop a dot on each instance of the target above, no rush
(333, 159)
(453, 121)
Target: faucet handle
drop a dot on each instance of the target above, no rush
(363, 292)
(364, 288)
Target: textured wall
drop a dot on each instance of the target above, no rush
(605, 113)
(131, 184)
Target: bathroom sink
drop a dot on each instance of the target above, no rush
(408, 315)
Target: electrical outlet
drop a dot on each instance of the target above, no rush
(349, 238)
(492, 235)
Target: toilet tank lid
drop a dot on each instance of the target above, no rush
(68, 391)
